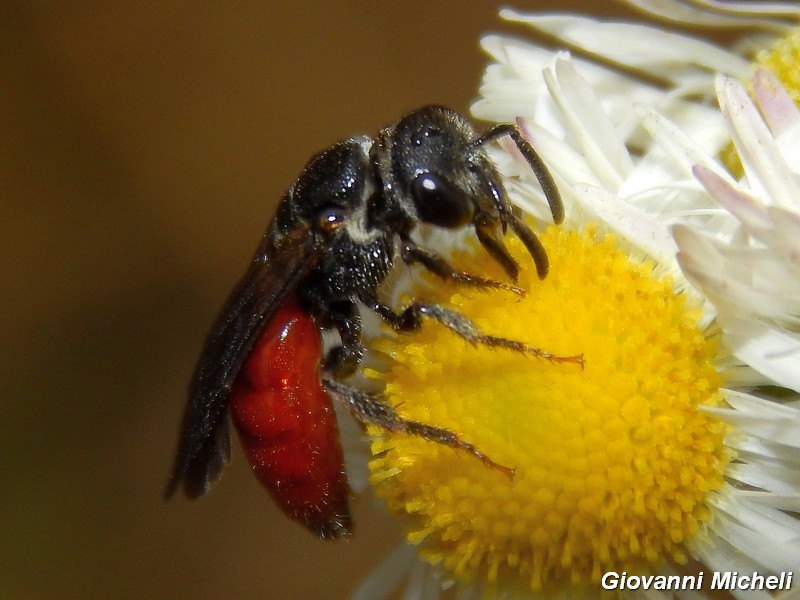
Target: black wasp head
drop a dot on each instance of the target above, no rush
(436, 166)
(440, 180)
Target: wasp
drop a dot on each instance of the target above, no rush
(337, 232)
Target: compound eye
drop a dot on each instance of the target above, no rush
(439, 202)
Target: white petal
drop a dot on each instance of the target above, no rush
(780, 112)
(682, 13)
(765, 419)
(677, 144)
(657, 51)
(699, 257)
(767, 536)
(355, 449)
(742, 282)
(766, 168)
(776, 478)
(720, 555)
(642, 230)
(766, 451)
(786, 242)
(749, 404)
(741, 204)
(779, 501)
(383, 580)
(767, 348)
(739, 8)
(594, 134)
(566, 163)
(423, 584)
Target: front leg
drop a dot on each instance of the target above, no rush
(411, 253)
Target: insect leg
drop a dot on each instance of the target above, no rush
(410, 319)
(411, 253)
(342, 361)
(372, 409)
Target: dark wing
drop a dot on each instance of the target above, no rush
(276, 271)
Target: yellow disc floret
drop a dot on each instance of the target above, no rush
(612, 463)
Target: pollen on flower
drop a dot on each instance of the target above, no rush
(613, 463)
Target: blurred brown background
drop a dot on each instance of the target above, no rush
(141, 153)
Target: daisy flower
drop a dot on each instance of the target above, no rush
(671, 461)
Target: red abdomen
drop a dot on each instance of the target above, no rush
(287, 425)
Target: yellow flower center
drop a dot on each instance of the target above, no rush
(612, 463)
